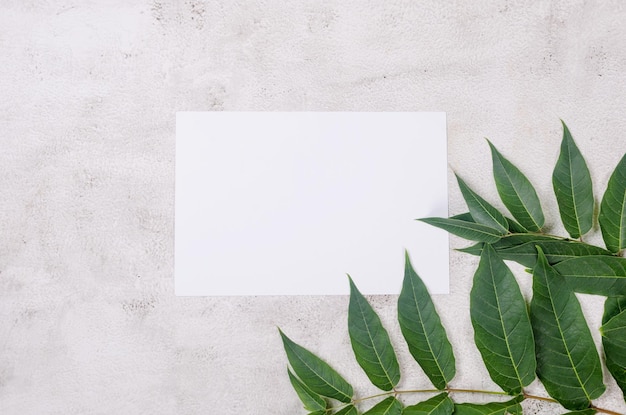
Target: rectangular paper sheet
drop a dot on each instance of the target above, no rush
(288, 203)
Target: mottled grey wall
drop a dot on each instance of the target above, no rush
(88, 92)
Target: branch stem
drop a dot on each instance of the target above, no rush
(606, 411)
(397, 392)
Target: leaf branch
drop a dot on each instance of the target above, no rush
(461, 390)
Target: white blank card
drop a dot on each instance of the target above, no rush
(277, 203)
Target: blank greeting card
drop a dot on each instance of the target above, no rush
(277, 203)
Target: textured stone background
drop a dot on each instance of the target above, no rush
(88, 92)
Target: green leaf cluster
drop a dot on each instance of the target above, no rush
(546, 338)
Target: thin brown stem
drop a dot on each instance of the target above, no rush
(606, 411)
(354, 401)
(396, 392)
(476, 391)
(539, 398)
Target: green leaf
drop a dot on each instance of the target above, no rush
(437, 405)
(521, 249)
(311, 400)
(422, 329)
(511, 241)
(567, 362)
(613, 343)
(515, 227)
(348, 410)
(516, 192)
(573, 189)
(595, 274)
(464, 229)
(502, 330)
(495, 408)
(512, 226)
(612, 216)
(389, 406)
(370, 342)
(316, 374)
(465, 217)
(324, 412)
(482, 212)
(615, 328)
(613, 306)
(475, 249)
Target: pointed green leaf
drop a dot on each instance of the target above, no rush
(516, 192)
(482, 212)
(511, 241)
(495, 408)
(614, 343)
(502, 330)
(464, 229)
(475, 249)
(423, 331)
(512, 226)
(567, 362)
(370, 342)
(348, 410)
(311, 400)
(437, 405)
(515, 227)
(595, 274)
(324, 412)
(389, 406)
(572, 186)
(613, 306)
(615, 328)
(466, 217)
(612, 216)
(316, 374)
(521, 249)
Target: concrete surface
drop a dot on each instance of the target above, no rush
(88, 92)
